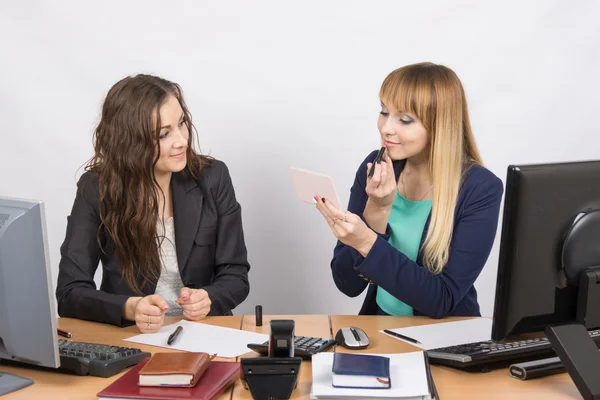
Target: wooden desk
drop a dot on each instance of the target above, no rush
(451, 383)
(56, 385)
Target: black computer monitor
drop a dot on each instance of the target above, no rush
(27, 310)
(550, 232)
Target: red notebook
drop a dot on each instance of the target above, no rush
(218, 376)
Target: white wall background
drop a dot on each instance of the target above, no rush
(273, 84)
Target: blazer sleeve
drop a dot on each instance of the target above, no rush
(230, 285)
(76, 291)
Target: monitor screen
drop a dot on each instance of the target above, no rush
(541, 205)
(27, 309)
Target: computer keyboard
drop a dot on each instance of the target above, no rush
(304, 346)
(489, 353)
(97, 359)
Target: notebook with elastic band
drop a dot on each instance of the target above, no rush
(361, 371)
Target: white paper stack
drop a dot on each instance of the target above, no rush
(408, 376)
(444, 334)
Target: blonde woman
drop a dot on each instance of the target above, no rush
(419, 231)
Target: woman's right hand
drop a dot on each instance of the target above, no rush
(381, 188)
(150, 313)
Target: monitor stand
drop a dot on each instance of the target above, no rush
(10, 383)
(580, 356)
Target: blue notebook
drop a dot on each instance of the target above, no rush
(360, 371)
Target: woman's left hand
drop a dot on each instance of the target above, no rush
(349, 228)
(195, 303)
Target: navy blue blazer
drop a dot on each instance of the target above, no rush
(449, 293)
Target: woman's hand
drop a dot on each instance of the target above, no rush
(195, 303)
(349, 228)
(381, 188)
(150, 313)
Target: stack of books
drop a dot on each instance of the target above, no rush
(173, 376)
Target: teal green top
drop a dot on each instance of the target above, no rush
(407, 222)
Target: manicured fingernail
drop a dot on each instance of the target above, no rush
(316, 198)
(323, 199)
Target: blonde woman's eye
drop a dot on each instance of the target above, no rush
(385, 114)
(406, 121)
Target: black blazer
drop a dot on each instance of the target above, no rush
(209, 240)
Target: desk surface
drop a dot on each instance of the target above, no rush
(456, 384)
(54, 385)
(451, 383)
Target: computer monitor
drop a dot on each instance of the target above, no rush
(549, 265)
(27, 308)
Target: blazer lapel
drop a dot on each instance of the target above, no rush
(187, 210)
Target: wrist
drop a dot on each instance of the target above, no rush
(129, 308)
(367, 243)
(377, 206)
(377, 216)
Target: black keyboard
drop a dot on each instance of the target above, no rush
(304, 346)
(489, 354)
(97, 359)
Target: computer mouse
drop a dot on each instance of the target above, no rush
(352, 338)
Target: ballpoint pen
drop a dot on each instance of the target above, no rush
(173, 336)
(401, 336)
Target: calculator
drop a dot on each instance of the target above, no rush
(304, 346)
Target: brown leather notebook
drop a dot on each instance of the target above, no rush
(174, 369)
(218, 377)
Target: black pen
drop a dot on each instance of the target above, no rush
(174, 335)
(377, 160)
(401, 336)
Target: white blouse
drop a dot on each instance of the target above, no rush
(169, 284)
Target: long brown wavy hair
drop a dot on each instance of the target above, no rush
(126, 149)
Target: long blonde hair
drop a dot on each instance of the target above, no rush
(435, 95)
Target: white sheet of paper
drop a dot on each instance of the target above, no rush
(447, 334)
(408, 378)
(226, 342)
